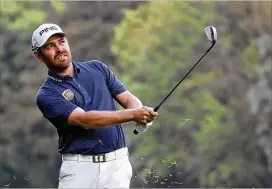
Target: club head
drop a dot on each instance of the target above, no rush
(211, 33)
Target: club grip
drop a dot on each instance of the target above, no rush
(135, 130)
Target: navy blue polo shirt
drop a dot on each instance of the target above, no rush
(93, 87)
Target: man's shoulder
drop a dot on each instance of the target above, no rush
(95, 64)
(91, 61)
(47, 88)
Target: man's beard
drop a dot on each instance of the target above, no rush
(58, 68)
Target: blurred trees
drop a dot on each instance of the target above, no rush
(215, 131)
(19, 83)
(90, 28)
(25, 134)
(154, 42)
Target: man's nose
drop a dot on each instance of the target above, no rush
(58, 47)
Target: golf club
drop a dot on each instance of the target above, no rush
(211, 34)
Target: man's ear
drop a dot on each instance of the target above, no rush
(38, 56)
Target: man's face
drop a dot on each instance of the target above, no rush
(55, 53)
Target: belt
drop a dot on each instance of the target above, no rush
(96, 158)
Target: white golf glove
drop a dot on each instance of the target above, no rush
(142, 128)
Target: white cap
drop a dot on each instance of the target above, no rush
(43, 33)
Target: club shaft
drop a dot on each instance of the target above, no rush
(167, 96)
(174, 88)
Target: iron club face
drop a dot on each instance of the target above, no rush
(211, 33)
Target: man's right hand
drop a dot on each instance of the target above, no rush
(144, 115)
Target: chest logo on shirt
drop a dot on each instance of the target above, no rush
(68, 94)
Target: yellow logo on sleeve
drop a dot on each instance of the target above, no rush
(68, 94)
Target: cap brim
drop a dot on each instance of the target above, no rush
(45, 39)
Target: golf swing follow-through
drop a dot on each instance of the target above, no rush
(78, 99)
(211, 34)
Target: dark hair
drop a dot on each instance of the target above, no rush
(39, 50)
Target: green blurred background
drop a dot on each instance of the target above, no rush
(216, 129)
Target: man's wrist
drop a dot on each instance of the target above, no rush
(131, 114)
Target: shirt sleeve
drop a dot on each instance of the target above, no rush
(115, 86)
(55, 107)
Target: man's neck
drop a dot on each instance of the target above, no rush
(68, 71)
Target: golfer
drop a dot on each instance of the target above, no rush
(78, 99)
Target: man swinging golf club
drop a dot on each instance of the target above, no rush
(77, 98)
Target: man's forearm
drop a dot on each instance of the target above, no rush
(133, 102)
(102, 119)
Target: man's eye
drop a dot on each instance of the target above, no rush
(62, 41)
(49, 46)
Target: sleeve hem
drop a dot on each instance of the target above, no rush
(119, 91)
